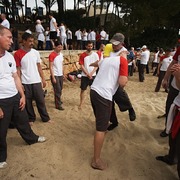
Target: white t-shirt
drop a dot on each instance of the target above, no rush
(52, 27)
(47, 36)
(40, 32)
(57, 60)
(106, 81)
(113, 54)
(177, 100)
(28, 63)
(165, 63)
(7, 68)
(93, 36)
(5, 23)
(69, 34)
(156, 59)
(86, 60)
(78, 35)
(62, 31)
(145, 57)
(103, 35)
(84, 37)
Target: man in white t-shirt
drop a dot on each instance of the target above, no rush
(53, 29)
(143, 62)
(113, 72)
(12, 99)
(63, 36)
(88, 72)
(28, 64)
(5, 22)
(103, 36)
(69, 39)
(40, 34)
(78, 35)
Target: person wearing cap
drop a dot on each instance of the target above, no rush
(143, 62)
(40, 34)
(120, 97)
(101, 94)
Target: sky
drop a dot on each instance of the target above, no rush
(31, 3)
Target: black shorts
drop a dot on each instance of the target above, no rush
(53, 35)
(69, 41)
(102, 110)
(85, 82)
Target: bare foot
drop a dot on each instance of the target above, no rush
(99, 165)
(79, 107)
(50, 121)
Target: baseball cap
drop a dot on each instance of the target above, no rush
(144, 47)
(117, 39)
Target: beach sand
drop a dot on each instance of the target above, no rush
(130, 149)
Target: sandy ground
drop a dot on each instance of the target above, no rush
(129, 150)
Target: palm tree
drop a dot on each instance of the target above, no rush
(48, 4)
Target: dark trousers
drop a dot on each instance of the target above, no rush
(10, 107)
(178, 152)
(35, 92)
(57, 90)
(40, 45)
(156, 68)
(79, 44)
(122, 100)
(141, 72)
(48, 45)
(159, 82)
(170, 98)
(147, 69)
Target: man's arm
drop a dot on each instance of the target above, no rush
(41, 74)
(51, 72)
(20, 90)
(175, 70)
(123, 81)
(167, 75)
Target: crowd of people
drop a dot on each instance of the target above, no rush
(105, 70)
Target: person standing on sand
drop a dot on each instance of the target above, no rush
(173, 126)
(29, 69)
(120, 97)
(101, 94)
(88, 73)
(56, 71)
(12, 99)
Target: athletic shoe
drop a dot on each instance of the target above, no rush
(3, 165)
(41, 139)
(166, 160)
(111, 127)
(132, 114)
(163, 133)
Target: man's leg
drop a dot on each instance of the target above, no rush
(113, 119)
(21, 122)
(40, 102)
(82, 98)
(7, 107)
(29, 106)
(170, 98)
(122, 100)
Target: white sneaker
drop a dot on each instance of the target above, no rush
(41, 139)
(3, 165)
